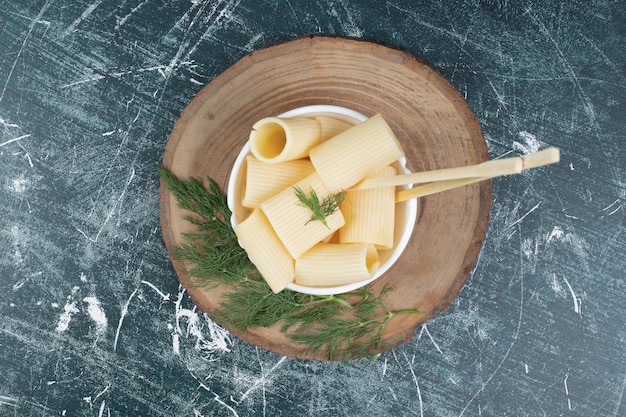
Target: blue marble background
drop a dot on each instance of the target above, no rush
(92, 319)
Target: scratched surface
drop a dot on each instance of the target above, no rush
(92, 320)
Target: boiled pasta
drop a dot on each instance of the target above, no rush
(336, 264)
(265, 180)
(282, 236)
(345, 159)
(331, 127)
(291, 220)
(275, 139)
(370, 214)
(266, 251)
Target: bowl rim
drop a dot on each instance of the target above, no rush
(410, 216)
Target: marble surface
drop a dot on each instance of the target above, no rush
(92, 319)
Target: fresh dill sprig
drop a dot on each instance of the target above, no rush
(340, 326)
(212, 253)
(357, 336)
(254, 304)
(320, 209)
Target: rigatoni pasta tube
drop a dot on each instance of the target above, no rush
(348, 157)
(266, 180)
(370, 214)
(331, 127)
(275, 139)
(266, 251)
(292, 222)
(336, 264)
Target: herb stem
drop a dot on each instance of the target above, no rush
(407, 311)
(386, 317)
(325, 298)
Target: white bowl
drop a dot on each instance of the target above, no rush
(406, 212)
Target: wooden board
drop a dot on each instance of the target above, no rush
(429, 117)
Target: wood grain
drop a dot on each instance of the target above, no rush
(429, 117)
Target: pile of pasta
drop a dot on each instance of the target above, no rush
(328, 156)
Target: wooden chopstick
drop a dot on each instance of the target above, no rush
(545, 157)
(491, 168)
(435, 187)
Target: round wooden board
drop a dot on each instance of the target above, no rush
(429, 117)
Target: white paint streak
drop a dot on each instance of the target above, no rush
(262, 380)
(569, 403)
(14, 140)
(614, 211)
(574, 297)
(524, 216)
(621, 395)
(9, 401)
(216, 397)
(411, 13)
(124, 310)
(7, 124)
(165, 297)
(19, 185)
(119, 74)
(94, 78)
(216, 22)
(349, 27)
(96, 313)
(218, 338)
(611, 205)
(425, 328)
(556, 286)
(586, 100)
(122, 21)
(569, 216)
(123, 314)
(102, 392)
(529, 143)
(249, 46)
(176, 343)
(19, 52)
(28, 158)
(24, 280)
(527, 248)
(112, 210)
(68, 311)
(71, 28)
(417, 385)
(556, 233)
(295, 15)
(228, 407)
(504, 154)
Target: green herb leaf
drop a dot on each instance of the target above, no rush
(320, 209)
